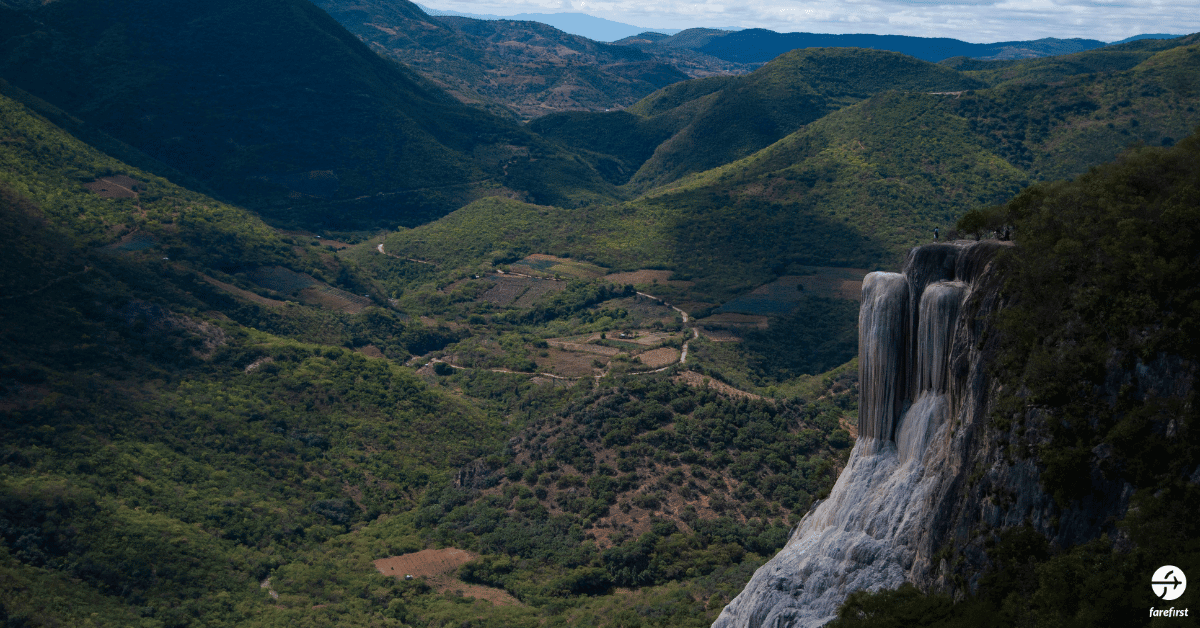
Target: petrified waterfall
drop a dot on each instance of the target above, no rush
(879, 526)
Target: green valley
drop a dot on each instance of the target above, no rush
(284, 323)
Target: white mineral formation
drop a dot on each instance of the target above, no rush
(873, 530)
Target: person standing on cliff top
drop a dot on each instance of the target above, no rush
(935, 234)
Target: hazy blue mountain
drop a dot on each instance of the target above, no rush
(596, 28)
(1147, 36)
(761, 45)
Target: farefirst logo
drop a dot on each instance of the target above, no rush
(1168, 583)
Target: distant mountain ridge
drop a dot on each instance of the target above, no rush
(759, 45)
(581, 24)
(831, 179)
(522, 69)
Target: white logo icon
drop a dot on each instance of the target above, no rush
(1168, 582)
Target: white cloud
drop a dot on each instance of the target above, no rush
(970, 20)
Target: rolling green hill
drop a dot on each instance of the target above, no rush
(856, 187)
(1113, 58)
(893, 167)
(208, 420)
(146, 469)
(188, 442)
(716, 120)
(273, 104)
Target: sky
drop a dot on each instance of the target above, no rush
(978, 21)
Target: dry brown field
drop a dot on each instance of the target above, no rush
(660, 357)
(425, 563)
(539, 264)
(584, 347)
(245, 294)
(569, 363)
(119, 186)
(646, 277)
(537, 290)
(507, 288)
(334, 299)
(692, 378)
(437, 567)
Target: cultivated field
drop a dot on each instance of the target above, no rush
(118, 186)
(437, 566)
(692, 378)
(839, 283)
(280, 279)
(660, 357)
(646, 278)
(584, 347)
(335, 299)
(517, 291)
(425, 563)
(505, 290)
(566, 363)
(537, 290)
(336, 244)
(539, 264)
(245, 294)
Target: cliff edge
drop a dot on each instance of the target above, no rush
(916, 477)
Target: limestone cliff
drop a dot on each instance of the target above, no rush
(928, 471)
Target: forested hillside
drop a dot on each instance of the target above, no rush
(694, 126)
(274, 105)
(204, 421)
(595, 368)
(518, 68)
(858, 186)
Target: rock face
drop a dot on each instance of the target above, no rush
(913, 481)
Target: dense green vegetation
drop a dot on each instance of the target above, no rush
(856, 187)
(171, 443)
(697, 125)
(208, 420)
(641, 483)
(1110, 281)
(512, 68)
(282, 109)
(1100, 337)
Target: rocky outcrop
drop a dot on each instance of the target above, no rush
(928, 471)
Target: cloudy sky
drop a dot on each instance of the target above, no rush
(979, 21)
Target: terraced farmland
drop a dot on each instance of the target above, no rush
(539, 264)
(280, 279)
(518, 291)
(335, 299)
